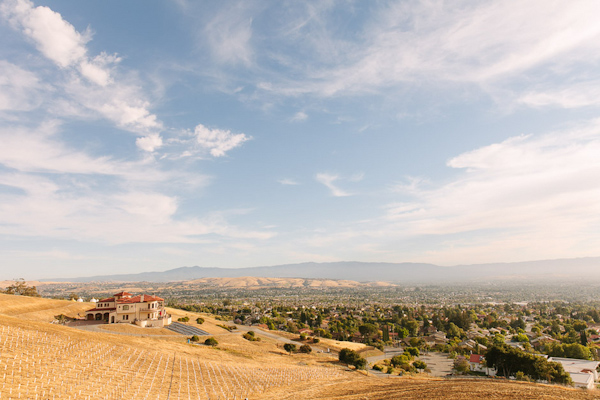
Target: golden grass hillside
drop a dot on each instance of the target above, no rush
(42, 360)
(250, 282)
(39, 309)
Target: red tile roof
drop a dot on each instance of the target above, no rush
(106, 300)
(138, 299)
(122, 294)
(475, 358)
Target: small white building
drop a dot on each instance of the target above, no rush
(584, 373)
(583, 380)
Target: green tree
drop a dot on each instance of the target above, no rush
(413, 351)
(499, 339)
(412, 326)
(521, 337)
(420, 364)
(461, 365)
(579, 325)
(351, 357)
(211, 341)
(367, 330)
(21, 288)
(290, 348)
(305, 349)
(574, 350)
(508, 361)
(385, 333)
(401, 359)
(454, 331)
(584, 338)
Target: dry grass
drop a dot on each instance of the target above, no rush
(134, 329)
(67, 364)
(42, 360)
(337, 345)
(209, 325)
(39, 309)
(437, 389)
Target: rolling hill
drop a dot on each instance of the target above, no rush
(43, 360)
(412, 273)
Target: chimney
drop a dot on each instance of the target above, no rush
(142, 298)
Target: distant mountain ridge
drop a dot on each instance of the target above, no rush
(543, 270)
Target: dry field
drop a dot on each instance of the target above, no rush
(136, 330)
(39, 309)
(39, 360)
(38, 364)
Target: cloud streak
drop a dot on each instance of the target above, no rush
(328, 180)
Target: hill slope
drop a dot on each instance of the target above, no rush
(49, 361)
(544, 270)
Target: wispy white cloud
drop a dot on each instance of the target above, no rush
(19, 88)
(488, 44)
(288, 181)
(328, 180)
(229, 35)
(575, 95)
(150, 142)
(90, 83)
(218, 141)
(300, 116)
(534, 192)
(527, 197)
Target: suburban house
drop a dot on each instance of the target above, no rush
(477, 364)
(142, 310)
(583, 372)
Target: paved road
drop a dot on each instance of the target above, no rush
(97, 327)
(260, 332)
(388, 352)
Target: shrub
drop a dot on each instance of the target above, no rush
(378, 367)
(351, 357)
(211, 341)
(227, 327)
(400, 359)
(195, 338)
(305, 349)
(251, 336)
(407, 367)
(520, 376)
(420, 364)
(461, 365)
(183, 319)
(316, 340)
(413, 351)
(289, 347)
(303, 336)
(200, 321)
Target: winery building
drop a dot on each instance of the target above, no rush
(143, 310)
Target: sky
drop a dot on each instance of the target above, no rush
(140, 136)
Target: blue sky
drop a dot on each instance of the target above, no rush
(138, 137)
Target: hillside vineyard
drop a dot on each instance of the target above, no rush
(41, 365)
